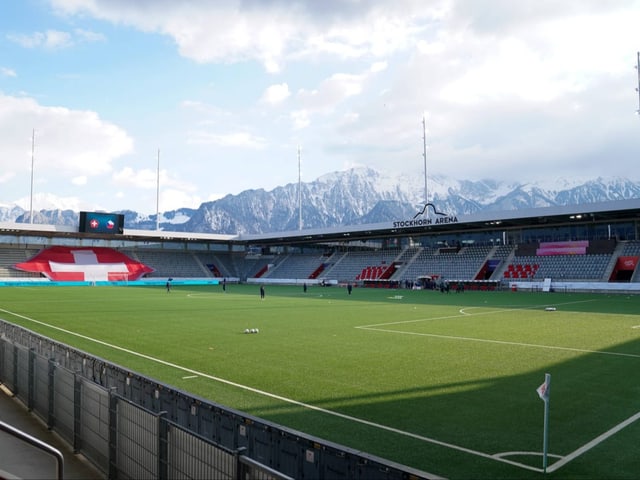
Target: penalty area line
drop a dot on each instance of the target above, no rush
(589, 445)
(500, 342)
(462, 313)
(281, 398)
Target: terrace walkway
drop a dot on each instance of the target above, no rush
(21, 460)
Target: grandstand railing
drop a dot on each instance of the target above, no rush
(130, 426)
(36, 443)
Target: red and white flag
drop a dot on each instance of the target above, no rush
(543, 391)
(61, 264)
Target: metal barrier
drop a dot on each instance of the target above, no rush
(39, 444)
(130, 426)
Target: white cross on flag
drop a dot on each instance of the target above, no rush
(89, 264)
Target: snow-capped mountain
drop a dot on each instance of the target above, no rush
(356, 196)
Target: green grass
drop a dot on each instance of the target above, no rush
(435, 381)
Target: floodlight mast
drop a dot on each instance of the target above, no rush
(299, 193)
(158, 192)
(638, 87)
(33, 146)
(424, 155)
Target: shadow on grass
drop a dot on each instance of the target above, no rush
(431, 426)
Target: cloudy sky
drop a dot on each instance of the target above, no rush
(226, 91)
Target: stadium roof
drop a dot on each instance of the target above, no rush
(603, 212)
(429, 223)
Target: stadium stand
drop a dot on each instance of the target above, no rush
(347, 267)
(462, 265)
(298, 266)
(12, 256)
(170, 264)
(544, 246)
(593, 261)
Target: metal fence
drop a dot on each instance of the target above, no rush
(130, 426)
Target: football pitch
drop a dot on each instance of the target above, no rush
(445, 383)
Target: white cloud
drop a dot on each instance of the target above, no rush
(233, 139)
(269, 32)
(275, 94)
(143, 178)
(201, 107)
(6, 176)
(174, 193)
(55, 39)
(67, 142)
(80, 180)
(41, 201)
(379, 32)
(300, 119)
(509, 86)
(173, 199)
(51, 39)
(148, 179)
(550, 58)
(214, 196)
(89, 36)
(8, 72)
(378, 67)
(330, 95)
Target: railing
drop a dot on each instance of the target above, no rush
(39, 444)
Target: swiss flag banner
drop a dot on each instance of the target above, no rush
(84, 264)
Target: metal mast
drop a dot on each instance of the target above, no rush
(158, 192)
(424, 155)
(33, 145)
(299, 193)
(638, 88)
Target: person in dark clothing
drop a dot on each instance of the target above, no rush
(349, 288)
(168, 286)
(261, 292)
(224, 284)
(304, 287)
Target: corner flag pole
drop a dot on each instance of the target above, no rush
(543, 391)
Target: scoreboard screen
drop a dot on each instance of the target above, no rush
(100, 222)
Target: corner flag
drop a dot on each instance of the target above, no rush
(543, 390)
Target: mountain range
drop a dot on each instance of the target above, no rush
(352, 197)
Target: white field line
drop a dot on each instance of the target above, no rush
(589, 445)
(563, 459)
(281, 398)
(497, 457)
(484, 340)
(502, 342)
(463, 312)
(535, 454)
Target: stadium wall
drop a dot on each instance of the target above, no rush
(586, 287)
